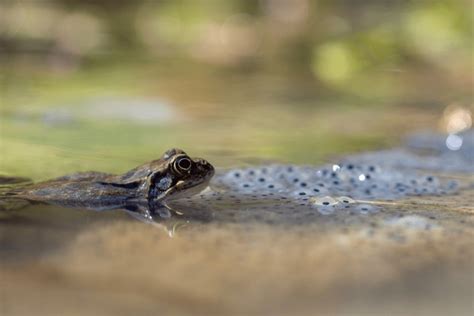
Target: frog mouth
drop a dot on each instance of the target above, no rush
(184, 189)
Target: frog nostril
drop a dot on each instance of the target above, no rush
(207, 165)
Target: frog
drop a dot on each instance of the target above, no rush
(144, 189)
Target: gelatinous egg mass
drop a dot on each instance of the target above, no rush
(356, 183)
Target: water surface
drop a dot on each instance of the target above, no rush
(401, 254)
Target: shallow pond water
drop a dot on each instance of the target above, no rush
(253, 246)
(235, 251)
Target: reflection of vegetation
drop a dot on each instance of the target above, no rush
(251, 77)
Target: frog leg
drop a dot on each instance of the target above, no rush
(164, 210)
(143, 214)
(149, 211)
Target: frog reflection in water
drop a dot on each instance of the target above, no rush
(144, 189)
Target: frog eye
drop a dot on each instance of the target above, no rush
(182, 164)
(172, 152)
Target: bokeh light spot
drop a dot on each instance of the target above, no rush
(333, 62)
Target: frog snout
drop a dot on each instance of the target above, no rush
(205, 167)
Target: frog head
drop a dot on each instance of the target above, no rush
(178, 176)
(175, 175)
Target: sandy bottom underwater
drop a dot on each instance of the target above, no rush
(110, 264)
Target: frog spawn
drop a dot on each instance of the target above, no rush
(352, 186)
(359, 184)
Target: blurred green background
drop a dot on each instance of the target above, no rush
(108, 84)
